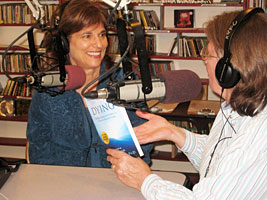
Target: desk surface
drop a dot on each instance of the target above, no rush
(181, 114)
(63, 182)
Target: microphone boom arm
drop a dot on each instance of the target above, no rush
(37, 11)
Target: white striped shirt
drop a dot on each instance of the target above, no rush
(238, 170)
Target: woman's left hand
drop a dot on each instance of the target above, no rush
(131, 171)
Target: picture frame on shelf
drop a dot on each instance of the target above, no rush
(184, 18)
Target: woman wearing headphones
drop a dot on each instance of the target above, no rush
(232, 159)
(60, 129)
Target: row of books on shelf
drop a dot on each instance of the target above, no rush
(156, 67)
(20, 13)
(114, 44)
(148, 19)
(17, 62)
(16, 89)
(258, 3)
(187, 46)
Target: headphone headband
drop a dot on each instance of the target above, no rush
(226, 75)
(240, 19)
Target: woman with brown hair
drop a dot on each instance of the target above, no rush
(60, 129)
(232, 159)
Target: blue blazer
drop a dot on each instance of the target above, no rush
(60, 130)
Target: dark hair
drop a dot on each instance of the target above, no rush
(249, 57)
(80, 13)
(72, 16)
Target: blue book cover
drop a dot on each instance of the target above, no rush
(114, 127)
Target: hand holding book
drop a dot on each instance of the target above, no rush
(114, 127)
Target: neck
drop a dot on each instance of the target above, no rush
(90, 76)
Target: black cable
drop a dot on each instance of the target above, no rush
(12, 43)
(9, 47)
(107, 73)
(219, 140)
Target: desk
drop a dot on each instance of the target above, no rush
(62, 182)
(180, 114)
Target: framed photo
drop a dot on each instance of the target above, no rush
(184, 18)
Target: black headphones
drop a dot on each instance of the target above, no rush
(226, 75)
(60, 40)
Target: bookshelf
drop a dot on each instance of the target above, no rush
(162, 40)
(182, 47)
(16, 18)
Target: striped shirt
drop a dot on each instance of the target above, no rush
(238, 169)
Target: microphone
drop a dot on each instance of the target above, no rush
(75, 78)
(174, 86)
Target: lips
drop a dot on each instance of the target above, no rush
(94, 53)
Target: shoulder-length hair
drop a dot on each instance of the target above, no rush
(71, 17)
(249, 57)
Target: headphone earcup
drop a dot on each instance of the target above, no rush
(225, 73)
(64, 43)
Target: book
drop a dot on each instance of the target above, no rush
(114, 127)
(184, 18)
(173, 48)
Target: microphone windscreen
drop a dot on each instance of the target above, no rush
(76, 77)
(181, 85)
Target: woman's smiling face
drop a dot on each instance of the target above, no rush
(88, 47)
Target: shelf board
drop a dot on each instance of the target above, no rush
(162, 56)
(15, 118)
(184, 30)
(15, 24)
(17, 73)
(15, 97)
(173, 57)
(13, 141)
(20, 49)
(23, 2)
(223, 4)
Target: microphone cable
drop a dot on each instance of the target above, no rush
(14, 41)
(107, 73)
(10, 46)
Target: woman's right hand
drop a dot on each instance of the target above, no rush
(158, 128)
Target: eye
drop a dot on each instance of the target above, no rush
(86, 36)
(103, 34)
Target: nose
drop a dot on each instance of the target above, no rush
(98, 42)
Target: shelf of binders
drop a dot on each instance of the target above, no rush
(17, 13)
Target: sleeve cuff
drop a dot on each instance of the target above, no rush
(148, 183)
(190, 142)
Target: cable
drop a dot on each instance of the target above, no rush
(12, 43)
(9, 47)
(4, 196)
(215, 147)
(219, 140)
(107, 73)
